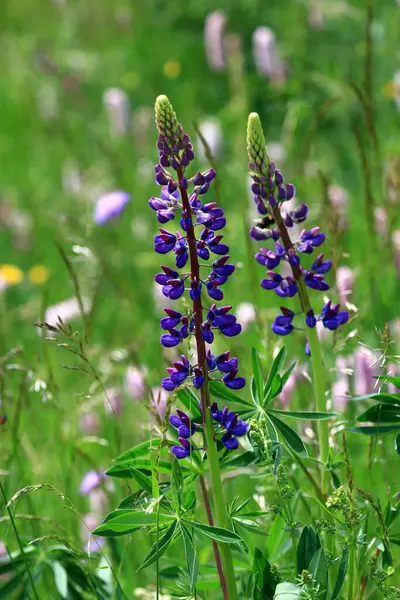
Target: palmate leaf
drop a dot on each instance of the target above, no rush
(60, 579)
(123, 469)
(380, 397)
(389, 379)
(344, 561)
(289, 434)
(274, 370)
(304, 415)
(191, 557)
(381, 413)
(258, 378)
(140, 450)
(218, 534)
(218, 390)
(131, 520)
(265, 584)
(10, 586)
(159, 547)
(307, 546)
(374, 429)
(319, 569)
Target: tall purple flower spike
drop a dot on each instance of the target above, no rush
(200, 268)
(270, 194)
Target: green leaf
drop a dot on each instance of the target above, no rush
(159, 547)
(264, 579)
(177, 478)
(216, 533)
(60, 578)
(143, 480)
(291, 437)
(132, 520)
(190, 401)
(275, 368)
(342, 570)
(275, 389)
(380, 397)
(258, 377)
(191, 558)
(307, 546)
(252, 526)
(390, 379)
(288, 591)
(381, 413)
(219, 390)
(374, 430)
(288, 373)
(397, 443)
(140, 450)
(123, 469)
(304, 415)
(319, 570)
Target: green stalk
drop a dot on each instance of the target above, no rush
(319, 381)
(219, 500)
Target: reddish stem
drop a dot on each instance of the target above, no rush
(201, 357)
(195, 276)
(214, 543)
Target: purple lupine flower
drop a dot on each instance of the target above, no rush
(198, 240)
(110, 206)
(230, 426)
(270, 193)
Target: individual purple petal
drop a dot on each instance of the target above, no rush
(180, 452)
(242, 428)
(168, 385)
(175, 421)
(230, 442)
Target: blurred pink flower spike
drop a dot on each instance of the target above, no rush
(116, 103)
(113, 402)
(110, 206)
(89, 423)
(396, 248)
(159, 398)
(214, 28)
(381, 221)
(365, 369)
(344, 283)
(135, 384)
(266, 55)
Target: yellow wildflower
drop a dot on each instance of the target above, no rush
(38, 274)
(11, 275)
(172, 69)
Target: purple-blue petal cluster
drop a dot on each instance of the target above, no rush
(201, 268)
(269, 195)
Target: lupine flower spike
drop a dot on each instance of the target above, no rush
(201, 268)
(270, 194)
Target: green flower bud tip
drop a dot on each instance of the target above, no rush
(166, 121)
(256, 148)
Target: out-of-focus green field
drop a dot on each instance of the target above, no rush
(57, 157)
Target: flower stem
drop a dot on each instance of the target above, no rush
(316, 358)
(214, 543)
(212, 452)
